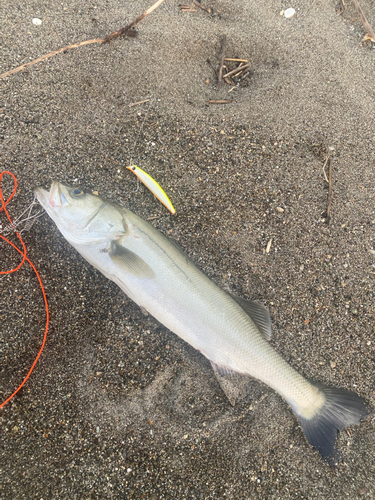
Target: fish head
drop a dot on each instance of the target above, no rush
(83, 218)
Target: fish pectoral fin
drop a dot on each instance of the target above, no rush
(259, 314)
(130, 262)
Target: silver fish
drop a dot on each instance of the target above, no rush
(233, 333)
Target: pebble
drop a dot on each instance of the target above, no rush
(333, 364)
(37, 21)
(288, 13)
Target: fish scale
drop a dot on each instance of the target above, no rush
(231, 332)
(222, 321)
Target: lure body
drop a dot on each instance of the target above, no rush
(153, 186)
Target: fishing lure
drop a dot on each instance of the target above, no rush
(153, 186)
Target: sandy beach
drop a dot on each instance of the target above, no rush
(118, 407)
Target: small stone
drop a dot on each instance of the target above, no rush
(279, 209)
(15, 428)
(362, 491)
(288, 13)
(37, 21)
(354, 311)
(333, 364)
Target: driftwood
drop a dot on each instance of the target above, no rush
(123, 31)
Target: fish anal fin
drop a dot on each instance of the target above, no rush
(231, 383)
(221, 369)
(130, 262)
(259, 314)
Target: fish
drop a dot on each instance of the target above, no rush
(233, 333)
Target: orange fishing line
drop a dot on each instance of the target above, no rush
(23, 252)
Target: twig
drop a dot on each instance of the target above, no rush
(237, 70)
(123, 30)
(223, 48)
(236, 60)
(342, 7)
(187, 8)
(137, 103)
(212, 67)
(109, 38)
(220, 101)
(228, 81)
(329, 198)
(365, 23)
(324, 169)
(51, 54)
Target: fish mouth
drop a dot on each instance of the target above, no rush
(53, 198)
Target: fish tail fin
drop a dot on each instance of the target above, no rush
(340, 409)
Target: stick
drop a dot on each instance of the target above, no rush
(324, 169)
(212, 67)
(223, 47)
(236, 60)
(110, 37)
(365, 23)
(137, 103)
(342, 7)
(237, 70)
(187, 8)
(220, 101)
(329, 198)
(47, 56)
(123, 30)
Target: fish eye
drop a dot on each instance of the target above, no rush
(76, 192)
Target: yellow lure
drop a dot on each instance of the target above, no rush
(153, 186)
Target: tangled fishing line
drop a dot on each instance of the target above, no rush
(7, 229)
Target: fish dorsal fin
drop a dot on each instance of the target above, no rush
(129, 262)
(259, 314)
